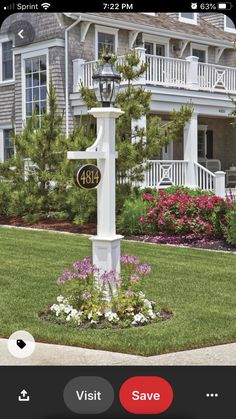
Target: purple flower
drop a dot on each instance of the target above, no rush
(111, 276)
(129, 259)
(86, 295)
(66, 276)
(143, 269)
(106, 276)
(85, 267)
(128, 293)
(134, 278)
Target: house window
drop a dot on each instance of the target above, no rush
(154, 49)
(106, 42)
(36, 85)
(229, 25)
(7, 61)
(106, 38)
(188, 18)
(7, 144)
(200, 51)
(200, 54)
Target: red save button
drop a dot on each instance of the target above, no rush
(146, 395)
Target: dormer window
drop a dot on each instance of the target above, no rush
(188, 18)
(229, 25)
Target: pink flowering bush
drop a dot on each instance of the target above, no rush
(180, 213)
(90, 297)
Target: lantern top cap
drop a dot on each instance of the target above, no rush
(106, 56)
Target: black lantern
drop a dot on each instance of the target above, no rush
(106, 82)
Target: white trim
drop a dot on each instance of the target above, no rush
(200, 47)
(158, 40)
(188, 20)
(226, 28)
(39, 45)
(25, 56)
(105, 29)
(5, 38)
(2, 128)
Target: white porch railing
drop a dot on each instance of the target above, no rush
(216, 78)
(165, 173)
(165, 71)
(204, 178)
(209, 181)
(160, 173)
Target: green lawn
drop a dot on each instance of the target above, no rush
(197, 285)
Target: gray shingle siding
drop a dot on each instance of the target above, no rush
(7, 104)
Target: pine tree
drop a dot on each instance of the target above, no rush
(45, 188)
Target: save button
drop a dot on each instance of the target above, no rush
(146, 395)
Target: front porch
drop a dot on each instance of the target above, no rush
(202, 157)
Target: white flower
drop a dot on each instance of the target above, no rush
(60, 298)
(54, 307)
(112, 317)
(99, 313)
(139, 318)
(147, 303)
(67, 310)
(151, 314)
(93, 321)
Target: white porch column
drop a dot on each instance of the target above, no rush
(106, 244)
(192, 75)
(190, 149)
(141, 52)
(77, 73)
(220, 184)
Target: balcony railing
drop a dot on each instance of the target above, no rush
(169, 72)
(166, 71)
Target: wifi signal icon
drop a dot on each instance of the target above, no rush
(46, 5)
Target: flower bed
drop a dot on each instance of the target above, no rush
(90, 297)
(181, 214)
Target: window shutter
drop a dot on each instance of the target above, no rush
(209, 144)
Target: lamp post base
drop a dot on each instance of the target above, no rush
(106, 252)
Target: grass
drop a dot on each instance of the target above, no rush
(197, 285)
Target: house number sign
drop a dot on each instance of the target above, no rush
(87, 176)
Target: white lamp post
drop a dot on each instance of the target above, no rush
(106, 244)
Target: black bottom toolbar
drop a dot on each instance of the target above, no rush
(118, 392)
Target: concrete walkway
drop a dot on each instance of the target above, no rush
(47, 354)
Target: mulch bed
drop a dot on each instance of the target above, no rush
(91, 229)
(189, 240)
(49, 224)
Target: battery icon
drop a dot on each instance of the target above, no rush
(224, 6)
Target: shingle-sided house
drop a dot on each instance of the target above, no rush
(191, 59)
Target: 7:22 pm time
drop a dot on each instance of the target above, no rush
(117, 6)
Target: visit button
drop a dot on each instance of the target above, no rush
(146, 395)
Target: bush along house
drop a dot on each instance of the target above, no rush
(190, 56)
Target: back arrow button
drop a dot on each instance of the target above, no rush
(20, 34)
